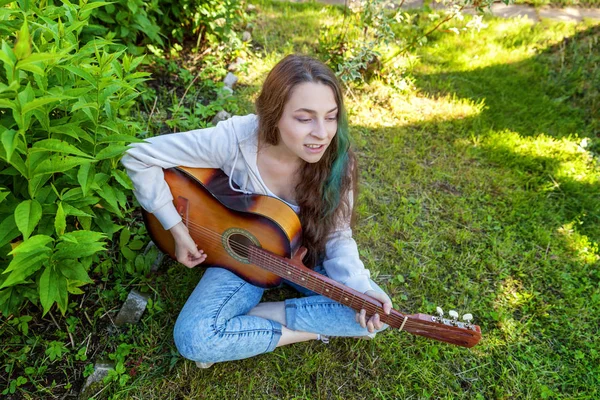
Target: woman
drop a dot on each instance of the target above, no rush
(296, 149)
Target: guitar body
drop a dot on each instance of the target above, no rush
(224, 222)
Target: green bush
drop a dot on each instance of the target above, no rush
(209, 23)
(63, 126)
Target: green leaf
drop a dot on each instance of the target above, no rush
(7, 56)
(49, 287)
(60, 221)
(36, 183)
(91, 6)
(38, 57)
(85, 177)
(124, 237)
(122, 178)
(111, 151)
(79, 244)
(136, 244)
(128, 253)
(27, 216)
(58, 146)
(39, 102)
(70, 210)
(10, 142)
(33, 68)
(23, 44)
(35, 243)
(120, 138)
(17, 162)
(8, 104)
(10, 300)
(59, 163)
(73, 130)
(108, 194)
(24, 265)
(8, 230)
(82, 73)
(74, 270)
(3, 195)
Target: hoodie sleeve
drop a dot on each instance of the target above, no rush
(342, 262)
(201, 148)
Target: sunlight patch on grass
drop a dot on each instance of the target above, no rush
(379, 105)
(585, 249)
(562, 158)
(504, 41)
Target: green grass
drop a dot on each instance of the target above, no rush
(476, 194)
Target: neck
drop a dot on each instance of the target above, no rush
(281, 156)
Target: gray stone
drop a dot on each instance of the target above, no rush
(225, 91)
(159, 256)
(221, 116)
(514, 11)
(590, 13)
(412, 4)
(132, 309)
(568, 14)
(230, 80)
(234, 66)
(100, 371)
(246, 36)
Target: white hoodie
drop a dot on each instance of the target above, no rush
(231, 146)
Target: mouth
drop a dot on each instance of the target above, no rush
(315, 146)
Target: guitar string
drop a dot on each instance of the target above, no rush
(214, 237)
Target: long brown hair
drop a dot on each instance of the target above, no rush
(326, 188)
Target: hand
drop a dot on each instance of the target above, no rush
(186, 250)
(374, 323)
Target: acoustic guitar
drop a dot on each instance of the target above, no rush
(258, 238)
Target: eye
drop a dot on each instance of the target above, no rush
(333, 118)
(303, 120)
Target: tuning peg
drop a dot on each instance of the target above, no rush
(454, 315)
(467, 318)
(440, 312)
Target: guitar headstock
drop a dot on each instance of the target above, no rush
(450, 330)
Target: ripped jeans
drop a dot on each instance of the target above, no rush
(213, 325)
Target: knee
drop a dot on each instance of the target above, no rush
(196, 340)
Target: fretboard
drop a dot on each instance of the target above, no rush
(322, 285)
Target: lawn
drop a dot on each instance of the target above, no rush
(479, 192)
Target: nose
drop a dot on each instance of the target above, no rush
(320, 132)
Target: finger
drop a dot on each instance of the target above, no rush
(356, 316)
(370, 326)
(376, 322)
(362, 320)
(387, 307)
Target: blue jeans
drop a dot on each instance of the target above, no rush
(213, 325)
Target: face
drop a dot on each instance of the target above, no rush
(308, 123)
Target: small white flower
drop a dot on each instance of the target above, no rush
(584, 143)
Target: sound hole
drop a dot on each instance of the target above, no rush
(240, 244)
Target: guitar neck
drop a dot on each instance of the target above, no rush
(418, 324)
(320, 284)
